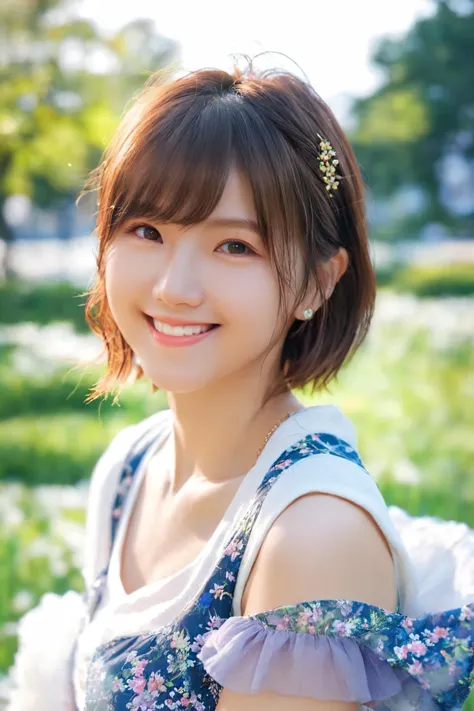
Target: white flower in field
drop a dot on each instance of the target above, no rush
(404, 471)
(43, 547)
(13, 517)
(55, 498)
(72, 535)
(22, 601)
(5, 690)
(10, 629)
(41, 674)
(449, 321)
(59, 567)
(46, 347)
(11, 513)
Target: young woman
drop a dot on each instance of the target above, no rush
(239, 555)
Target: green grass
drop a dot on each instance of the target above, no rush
(27, 567)
(409, 402)
(42, 304)
(65, 391)
(56, 449)
(48, 435)
(429, 281)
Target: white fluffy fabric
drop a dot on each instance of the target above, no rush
(442, 556)
(41, 671)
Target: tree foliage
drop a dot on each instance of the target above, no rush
(63, 86)
(423, 114)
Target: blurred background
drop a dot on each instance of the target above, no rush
(399, 76)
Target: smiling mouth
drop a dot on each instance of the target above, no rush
(181, 331)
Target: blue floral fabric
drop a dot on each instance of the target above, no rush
(163, 670)
(435, 650)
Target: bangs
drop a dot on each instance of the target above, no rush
(176, 167)
(175, 149)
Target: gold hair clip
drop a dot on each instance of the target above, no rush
(327, 165)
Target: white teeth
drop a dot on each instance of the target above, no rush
(179, 330)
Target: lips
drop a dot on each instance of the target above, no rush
(177, 337)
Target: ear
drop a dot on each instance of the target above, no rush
(330, 273)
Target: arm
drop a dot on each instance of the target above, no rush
(321, 547)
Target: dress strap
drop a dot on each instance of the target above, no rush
(311, 445)
(130, 467)
(218, 591)
(127, 476)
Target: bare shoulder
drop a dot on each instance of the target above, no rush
(321, 547)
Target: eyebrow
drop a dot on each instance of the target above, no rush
(239, 222)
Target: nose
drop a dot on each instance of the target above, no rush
(178, 281)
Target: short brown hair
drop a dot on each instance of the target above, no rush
(267, 123)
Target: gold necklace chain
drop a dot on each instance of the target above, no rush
(275, 427)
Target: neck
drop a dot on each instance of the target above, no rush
(218, 431)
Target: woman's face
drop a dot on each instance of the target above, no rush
(213, 273)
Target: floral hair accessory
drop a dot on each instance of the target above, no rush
(327, 165)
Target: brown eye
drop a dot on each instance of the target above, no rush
(147, 232)
(237, 248)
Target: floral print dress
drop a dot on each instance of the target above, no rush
(324, 649)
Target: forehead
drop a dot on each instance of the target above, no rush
(237, 199)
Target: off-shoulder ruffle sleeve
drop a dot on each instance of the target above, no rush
(347, 651)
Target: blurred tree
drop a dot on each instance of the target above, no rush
(418, 127)
(62, 88)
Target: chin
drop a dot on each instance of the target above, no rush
(178, 383)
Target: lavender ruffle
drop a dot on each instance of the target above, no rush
(245, 657)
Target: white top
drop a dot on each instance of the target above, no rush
(157, 604)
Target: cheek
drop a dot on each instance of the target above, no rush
(252, 305)
(114, 274)
(122, 283)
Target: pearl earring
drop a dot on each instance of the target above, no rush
(307, 314)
